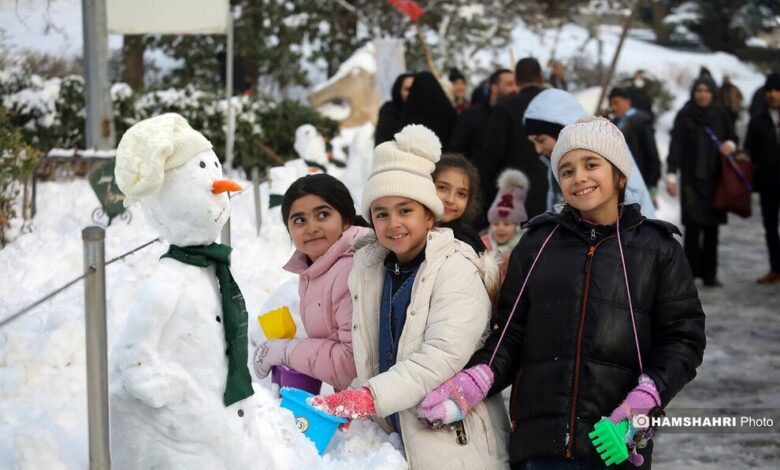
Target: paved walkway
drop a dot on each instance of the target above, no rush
(741, 369)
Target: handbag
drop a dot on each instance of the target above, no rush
(734, 188)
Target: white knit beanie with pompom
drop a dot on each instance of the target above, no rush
(596, 134)
(403, 167)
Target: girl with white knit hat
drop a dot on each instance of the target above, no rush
(598, 316)
(421, 307)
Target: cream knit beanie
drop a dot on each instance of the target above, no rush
(403, 167)
(149, 148)
(597, 135)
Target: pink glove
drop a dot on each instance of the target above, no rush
(465, 390)
(351, 403)
(640, 400)
(272, 353)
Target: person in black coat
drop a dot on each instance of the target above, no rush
(389, 121)
(637, 127)
(702, 132)
(471, 130)
(763, 144)
(428, 105)
(640, 99)
(507, 145)
(598, 315)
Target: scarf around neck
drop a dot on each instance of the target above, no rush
(234, 314)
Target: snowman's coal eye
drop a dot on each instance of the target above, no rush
(203, 164)
(216, 164)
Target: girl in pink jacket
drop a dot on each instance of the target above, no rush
(319, 214)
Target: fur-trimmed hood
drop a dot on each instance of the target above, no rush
(441, 241)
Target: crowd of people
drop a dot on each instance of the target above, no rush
(492, 131)
(421, 308)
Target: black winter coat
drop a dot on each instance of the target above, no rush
(763, 144)
(388, 123)
(465, 233)
(390, 119)
(468, 138)
(569, 351)
(694, 153)
(640, 137)
(470, 131)
(508, 147)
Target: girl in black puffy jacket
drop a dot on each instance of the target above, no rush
(598, 316)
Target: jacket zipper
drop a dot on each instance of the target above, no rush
(513, 400)
(364, 330)
(576, 386)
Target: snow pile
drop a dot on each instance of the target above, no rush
(42, 359)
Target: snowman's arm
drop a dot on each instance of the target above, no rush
(145, 375)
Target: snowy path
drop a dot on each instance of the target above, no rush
(741, 368)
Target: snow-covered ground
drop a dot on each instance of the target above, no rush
(42, 357)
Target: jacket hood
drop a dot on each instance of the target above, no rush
(344, 246)
(629, 217)
(441, 242)
(554, 106)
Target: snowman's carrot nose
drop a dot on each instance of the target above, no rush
(220, 186)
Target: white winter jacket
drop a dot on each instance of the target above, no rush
(447, 320)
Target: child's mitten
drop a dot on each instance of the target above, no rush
(351, 403)
(452, 400)
(272, 353)
(640, 400)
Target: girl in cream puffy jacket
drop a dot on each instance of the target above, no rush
(447, 320)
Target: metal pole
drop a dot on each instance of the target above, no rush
(608, 78)
(225, 235)
(99, 121)
(258, 208)
(97, 353)
(229, 87)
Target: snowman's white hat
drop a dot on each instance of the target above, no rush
(149, 148)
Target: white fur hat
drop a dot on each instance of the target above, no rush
(403, 167)
(149, 148)
(597, 135)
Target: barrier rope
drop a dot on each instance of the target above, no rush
(53, 293)
(90, 270)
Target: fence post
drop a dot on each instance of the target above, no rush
(97, 351)
(225, 235)
(258, 208)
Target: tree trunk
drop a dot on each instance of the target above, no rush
(133, 61)
(659, 10)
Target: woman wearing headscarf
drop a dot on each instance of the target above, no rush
(428, 105)
(702, 132)
(389, 121)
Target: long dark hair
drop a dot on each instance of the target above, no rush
(459, 162)
(329, 189)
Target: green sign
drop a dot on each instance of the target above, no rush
(104, 184)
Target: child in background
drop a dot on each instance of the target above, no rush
(457, 185)
(319, 214)
(421, 308)
(506, 214)
(599, 315)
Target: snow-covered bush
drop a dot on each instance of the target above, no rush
(50, 113)
(17, 161)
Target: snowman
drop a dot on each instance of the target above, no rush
(181, 392)
(310, 145)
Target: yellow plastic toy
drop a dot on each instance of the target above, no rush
(277, 324)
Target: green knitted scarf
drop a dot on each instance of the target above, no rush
(239, 382)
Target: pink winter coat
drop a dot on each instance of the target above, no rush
(326, 312)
